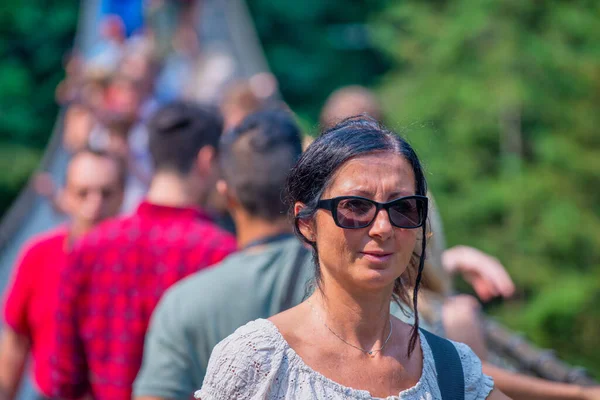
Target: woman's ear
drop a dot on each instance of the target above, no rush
(304, 225)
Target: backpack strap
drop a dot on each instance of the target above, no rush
(450, 376)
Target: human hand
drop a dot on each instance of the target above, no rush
(484, 272)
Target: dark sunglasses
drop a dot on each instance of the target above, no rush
(353, 212)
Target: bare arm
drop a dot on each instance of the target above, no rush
(14, 350)
(462, 324)
(523, 387)
(497, 395)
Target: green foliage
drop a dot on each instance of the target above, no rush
(314, 47)
(500, 99)
(33, 39)
(563, 316)
(16, 164)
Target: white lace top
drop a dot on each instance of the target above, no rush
(256, 362)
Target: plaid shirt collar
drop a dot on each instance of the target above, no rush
(148, 209)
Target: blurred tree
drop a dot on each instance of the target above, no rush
(34, 37)
(505, 97)
(315, 46)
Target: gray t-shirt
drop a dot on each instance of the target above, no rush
(198, 312)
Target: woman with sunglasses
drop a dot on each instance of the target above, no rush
(358, 199)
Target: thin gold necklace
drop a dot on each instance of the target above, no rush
(370, 353)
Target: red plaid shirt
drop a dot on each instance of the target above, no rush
(113, 280)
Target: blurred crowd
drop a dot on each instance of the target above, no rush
(110, 90)
(161, 185)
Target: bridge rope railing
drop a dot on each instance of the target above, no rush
(530, 359)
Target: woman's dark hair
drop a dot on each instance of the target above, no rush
(312, 174)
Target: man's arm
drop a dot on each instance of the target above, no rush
(462, 324)
(498, 395)
(68, 364)
(167, 367)
(523, 387)
(15, 339)
(14, 351)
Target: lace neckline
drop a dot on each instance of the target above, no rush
(348, 391)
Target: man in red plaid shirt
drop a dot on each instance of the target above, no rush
(116, 274)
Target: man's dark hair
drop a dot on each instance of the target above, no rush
(255, 158)
(178, 130)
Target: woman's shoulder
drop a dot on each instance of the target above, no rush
(255, 339)
(477, 385)
(242, 362)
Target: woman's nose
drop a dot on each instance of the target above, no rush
(381, 227)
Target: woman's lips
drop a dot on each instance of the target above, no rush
(376, 257)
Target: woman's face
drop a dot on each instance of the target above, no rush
(368, 258)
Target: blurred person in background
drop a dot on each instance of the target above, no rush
(268, 275)
(115, 276)
(129, 11)
(346, 102)
(123, 96)
(114, 135)
(69, 88)
(93, 192)
(349, 101)
(457, 317)
(172, 23)
(108, 50)
(79, 120)
(137, 98)
(93, 89)
(121, 105)
(109, 133)
(239, 100)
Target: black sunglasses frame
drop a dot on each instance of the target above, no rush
(331, 205)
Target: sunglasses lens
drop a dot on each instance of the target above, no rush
(407, 213)
(355, 213)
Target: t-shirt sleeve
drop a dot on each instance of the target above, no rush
(242, 366)
(20, 290)
(166, 368)
(478, 386)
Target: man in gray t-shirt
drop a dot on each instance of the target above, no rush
(200, 311)
(268, 276)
